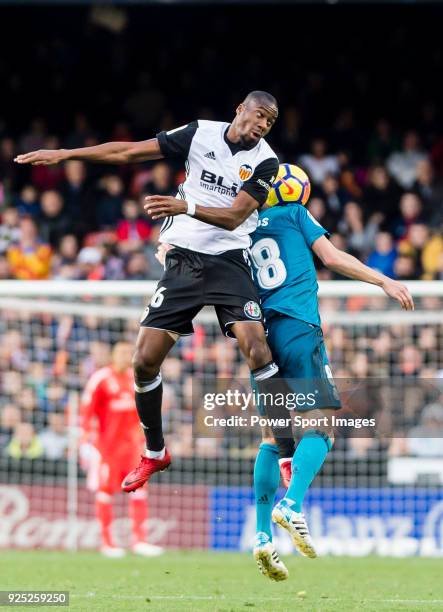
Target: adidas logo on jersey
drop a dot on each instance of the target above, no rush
(210, 155)
(263, 499)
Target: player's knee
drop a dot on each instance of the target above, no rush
(257, 353)
(145, 363)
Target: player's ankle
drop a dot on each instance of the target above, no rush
(155, 454)
(284, 459)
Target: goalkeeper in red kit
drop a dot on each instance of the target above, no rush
(111, 442)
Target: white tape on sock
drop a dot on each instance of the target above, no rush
(148, 385)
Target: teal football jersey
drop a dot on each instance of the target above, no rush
(284, 264)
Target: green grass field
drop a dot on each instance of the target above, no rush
(222, 582)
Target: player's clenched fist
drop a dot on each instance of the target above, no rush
(42, 157)
(399, 292)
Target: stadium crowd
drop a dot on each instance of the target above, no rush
(72, 222)
(377, 186)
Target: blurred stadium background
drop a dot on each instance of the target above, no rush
(361, 98)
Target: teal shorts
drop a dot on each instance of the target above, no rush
(299, 350)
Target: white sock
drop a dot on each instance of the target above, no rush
(155, 454)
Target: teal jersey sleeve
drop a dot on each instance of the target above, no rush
(307, 224)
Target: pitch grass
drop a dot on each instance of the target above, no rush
(225, 582)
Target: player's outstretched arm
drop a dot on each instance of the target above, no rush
(350, 266)
(107, 153)
(243, 205)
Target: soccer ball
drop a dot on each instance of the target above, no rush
(291, 186)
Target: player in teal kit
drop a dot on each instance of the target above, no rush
(282, 255)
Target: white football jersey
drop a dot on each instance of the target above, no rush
(216, 170)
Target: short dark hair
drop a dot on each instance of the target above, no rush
(261, 96)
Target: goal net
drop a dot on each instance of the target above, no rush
(377, 494)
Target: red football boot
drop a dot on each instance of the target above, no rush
(286, 472)
(144, 471)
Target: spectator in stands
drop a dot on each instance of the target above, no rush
(5, 270)
(333, 195)
(349, 178)
(36, 378)
(137, 267)
(48, 177)
(359, 365)
(109, 205)
(14, 354)
(9, 229)
(9, 419)
(89, 263)
(404, 268)
(431, 254)
(54, 439)
(410, 212)
(383, 257)
(424, 440)
(133, 229)
(402, 165)
(113, 264)
(382, 143)
(318, 210)
(8, 173)
(73, 187)
(419, 246)
(430, 191)
(410, 361)
(317, 163)
(161, 180)
(65, 260)
(56, 397)
(439, 272)
(77, 196)
(24, 443)
(27, 203)
(359, 237)
(29, 258)
(381, 194)
(54, 222)
(428, 343)
(26, 400)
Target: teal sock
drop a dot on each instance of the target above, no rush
(308, 458)
(266, 481)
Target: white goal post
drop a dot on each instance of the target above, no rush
(58, 297)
